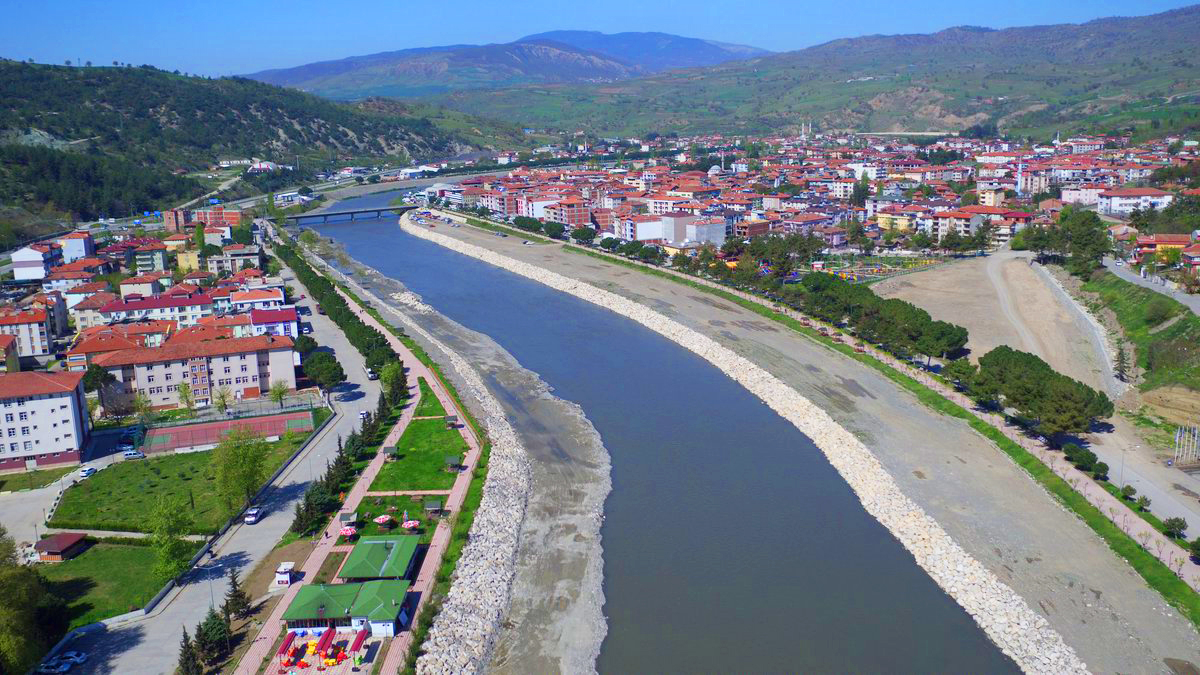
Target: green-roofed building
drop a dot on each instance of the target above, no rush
(377, 605)
(383, 557)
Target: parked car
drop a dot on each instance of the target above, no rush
(371, 374)
(87, 471)
(55, 666)
(1120, 263)
(73, 657)
(133, 454)
(363, 414)
(252, 515)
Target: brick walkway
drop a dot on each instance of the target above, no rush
(264, 642)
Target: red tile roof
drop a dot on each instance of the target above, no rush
(57, 543)
(35, 383)
(190, 350)
(156, 302)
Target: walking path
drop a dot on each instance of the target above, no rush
(1192, 302)
(264, 643)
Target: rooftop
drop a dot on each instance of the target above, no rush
(34, 383)
(387, 557)
(373, 600)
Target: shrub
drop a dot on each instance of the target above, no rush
(1158, 310)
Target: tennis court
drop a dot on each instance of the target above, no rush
(165, 439)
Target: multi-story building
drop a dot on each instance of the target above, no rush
(143, 285)
(235, 257)
(217, 215)
(32, 329)
(86, 312)
(1123, 201)
(176, 220)
(246, 366)
(33, 262)
(56, 306)
(76, 245)
(570, 211)
(150, 258)
(43, 419)
(9, 355)
(183, 308)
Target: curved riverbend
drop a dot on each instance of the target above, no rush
(1010, 623)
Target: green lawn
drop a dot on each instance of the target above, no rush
(106, 580)
(33, 479)
(119, 497)
(422, 452)
(329, 567)
(373, 507)
(429, 406)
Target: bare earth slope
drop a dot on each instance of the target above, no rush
(986, 503)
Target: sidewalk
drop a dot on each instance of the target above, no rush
(1190, 301)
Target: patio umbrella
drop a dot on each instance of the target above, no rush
(348, 531)
(384, 519)
(411, 524)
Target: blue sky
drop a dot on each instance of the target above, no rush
(219, 37)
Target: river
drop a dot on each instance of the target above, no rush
(730, 544)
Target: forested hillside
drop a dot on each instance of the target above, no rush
(1101, 75)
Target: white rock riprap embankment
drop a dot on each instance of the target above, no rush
(466, 627)
(1004, 616)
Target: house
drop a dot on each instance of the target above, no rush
(56, 307)
(177, 242)
(245, 366)
(963, 222)
(150, 258)
(381, 557)
(1190, 257)
(233, 258)
(379, 606)
(1123, 201)
(1086, 194)
(61, 546)
(1154, 244)
(258, 298)
(76, 245)
(217, 235)
(86, 312)
(283, 321)
(76, 294)
(183, 308)
(143, 285)
(188, 259)
(33, 262)
(31, 328)
(45, 419)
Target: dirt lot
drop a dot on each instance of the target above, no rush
(980, 497)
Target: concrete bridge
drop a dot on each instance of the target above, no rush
(375, 213)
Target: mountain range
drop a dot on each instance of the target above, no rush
(1104, 74)
(553, 57)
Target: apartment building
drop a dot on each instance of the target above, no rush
(246, 366)
(33, 262)
(1123, 201)
(183, 308)
(76, 245)
(233, 258)
(217, 215)
(31, 328)
(43, 419)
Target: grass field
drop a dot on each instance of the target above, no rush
(429, 406)
(422, 451)
(329, 567)
(33, 479)
(119, 497)
(1167, 352)
(106, 580)
(373, 507)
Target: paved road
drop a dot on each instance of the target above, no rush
(1191, 301)
(150, 645)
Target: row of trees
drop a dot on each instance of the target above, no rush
(1181, 216)
(898, 326)
(633, 249)
(32, 615)
(1044, 400)
(550, 228)
(214, 633)
(371, 343)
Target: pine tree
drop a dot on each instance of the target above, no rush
(212, 636)
(1122, 364)
(189, 657)
(237, 603)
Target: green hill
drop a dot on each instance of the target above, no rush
(1112, 71)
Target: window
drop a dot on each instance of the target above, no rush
(13, 447)
(8, 417)
(227, 369)
(243, 367)
(12, 431)
(169, 376)
(27, 445)
(149, 378)
(24, 416)
(24, 431)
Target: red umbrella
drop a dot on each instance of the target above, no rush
(348, 531)
(383, 519)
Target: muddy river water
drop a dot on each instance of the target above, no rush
(729, 543)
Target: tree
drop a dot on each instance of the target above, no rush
(198, 237)
(554, 230)
(169, 521)
(323, 369)
(304, 344)
(1122, 364)
(212, 636)
(1158, 310)
(189, 657)
(141, 407)
(1100, 471)
(96, 377)
(610, 243)
(1143, 503)
(1194, 548)
(395, 382)
(185, 396)
(1174, 527)
(237, 602)
(528, 224)
(24, 630)
(239, 464)
(1128, 492)
(222, 397)
(861, 191)
(278, 392)
(583, 234)
(8, 549)
(959, 371)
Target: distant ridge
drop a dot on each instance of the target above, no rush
(544, 58)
